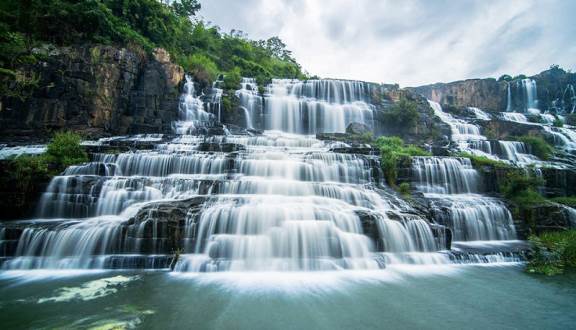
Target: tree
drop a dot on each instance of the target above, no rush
(186, 8)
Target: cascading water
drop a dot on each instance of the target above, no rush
(191, 110)
(273, 202)
(250, 102)
(452, 185)
(468, 138)
(313, 106)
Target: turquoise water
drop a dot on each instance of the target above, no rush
(414, 297)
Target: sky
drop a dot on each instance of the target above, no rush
(410, 42)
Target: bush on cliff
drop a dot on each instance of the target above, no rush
(521, 188)
(538, 146)
(553, 252)
(392, 152)
(402, 114)
(65, 150)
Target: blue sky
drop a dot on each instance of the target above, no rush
(411, 42)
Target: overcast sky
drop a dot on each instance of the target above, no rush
(411, 42)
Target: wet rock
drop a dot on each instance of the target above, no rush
(358, 129)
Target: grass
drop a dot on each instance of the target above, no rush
(554, 252)
(568, 201)
(479, 161)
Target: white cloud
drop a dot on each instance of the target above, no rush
(411, 42)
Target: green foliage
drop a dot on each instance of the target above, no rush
(479, 161)
(538, 146)
(404, 189)
(568, 201)
(558, 123)
(232, 79)
(201, 67)
(392, 152)
(144, 23)
(553, 252)
(28, 170)
(505, 77)
(404, 114)
(65, 149)
(522, 188)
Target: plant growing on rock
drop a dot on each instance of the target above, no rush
(403, 114)
(65, 150)
(392, 152)
(538, 146)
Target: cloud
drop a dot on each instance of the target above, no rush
(411, 42)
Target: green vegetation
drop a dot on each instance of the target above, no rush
(553, 252)
(393, 152)
(29, 25)
(538, 146)
(403, 114)
(521, 187)
(65, 150)
(568, 201)
(558, 123)
(404, 189)
(479, 161)
(26, 172)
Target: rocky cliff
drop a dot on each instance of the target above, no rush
(96, 90)
(555, 92)
(487, 94)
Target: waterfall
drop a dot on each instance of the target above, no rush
(250, 101)
(276, 201)
(452, 186)
(508, 98)
(514, 116)
(316, 106)
(191, 110)
(529, 86)
(479, 114)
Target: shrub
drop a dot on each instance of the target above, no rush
(553, 252)
(522, 188)
(392, 151)
(232, 79)
(201, 67)
(538, 146)
(28, 170)
(403, 114)
(65, 149)
(558, 123)
(404, 189)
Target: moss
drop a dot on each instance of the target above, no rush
(553, 253)
(521, 188)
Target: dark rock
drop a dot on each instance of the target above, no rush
(358, 129)
(98, 91)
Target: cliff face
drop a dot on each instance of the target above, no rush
(555, 92)
(98, 91)
(487, 94)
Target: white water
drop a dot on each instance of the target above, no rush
(452, 185)
(314, 106)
